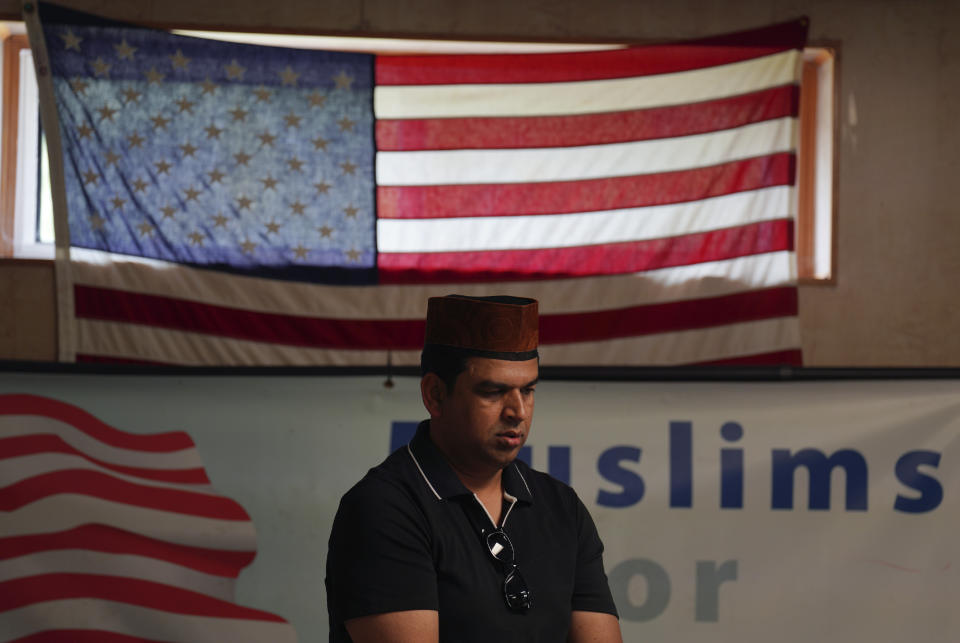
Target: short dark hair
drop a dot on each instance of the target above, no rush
(446, 362)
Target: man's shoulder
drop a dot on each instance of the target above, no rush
(393, 475)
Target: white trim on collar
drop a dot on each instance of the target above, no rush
(425, 478)
(514, 465)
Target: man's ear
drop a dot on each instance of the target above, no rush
(433, 392)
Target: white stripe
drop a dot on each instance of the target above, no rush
(484, 507)
(680, 347)
(519, 473)
(133, 341)
(513, 502)
(132, 620)
(458, 167)
(67, 511)
(36, 464)
(79, 561)
(409, 302)
(583, 229)
(420, 469)
(584, 97)
(21, 425)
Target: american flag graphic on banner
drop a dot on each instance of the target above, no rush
(239, 205)
(114, 536)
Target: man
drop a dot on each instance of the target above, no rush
(451, 538)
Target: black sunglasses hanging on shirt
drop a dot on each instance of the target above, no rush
(516, 593)
(515, 590)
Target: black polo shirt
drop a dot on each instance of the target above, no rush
(403, 540)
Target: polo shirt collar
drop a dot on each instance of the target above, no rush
(443, 481)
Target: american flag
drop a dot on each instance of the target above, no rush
(240, 205)
(114, 536)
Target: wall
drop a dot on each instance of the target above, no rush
(28, 327)
(892, 304)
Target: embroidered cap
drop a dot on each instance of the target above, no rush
(499, 327)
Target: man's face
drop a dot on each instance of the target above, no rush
(486, 418)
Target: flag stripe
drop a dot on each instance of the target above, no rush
(24, 466)
(563, 67)
(51, 587)
(16, 426)
(558, 197)
(344, 302)
(588, 96)
(103, 538)
(177, 314)
(687, 347)
(587, 129)
(132, 620)
(91, 426)
(76, 561)
(67, 511)
(107, 487)
(585, 162)
(25, 445)
(674, 316)
(506, 265)
(472, 234)
(788, 357)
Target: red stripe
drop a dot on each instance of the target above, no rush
(107, 487)
(111, 540)
(586, 129)
(106, 359)
(666, 317)
(166, 312)
(82, 636)
(48, 443)
(86, 423)
(456, 69)
(582, 261)
(792, 357)
(52, 587)
(594, 195)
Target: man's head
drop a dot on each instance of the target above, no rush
(480, 366)
(459, 327)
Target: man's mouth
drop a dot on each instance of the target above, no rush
(511, 438)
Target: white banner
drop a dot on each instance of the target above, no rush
(788, 511)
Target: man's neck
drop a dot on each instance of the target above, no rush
(480, 484)
(479, 480)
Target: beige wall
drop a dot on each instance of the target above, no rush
(27, 310)
(899, 221)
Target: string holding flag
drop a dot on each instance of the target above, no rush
(230, 204)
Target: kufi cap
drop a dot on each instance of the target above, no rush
(499, 327)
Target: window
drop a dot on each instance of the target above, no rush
(26, 213)
(26, 222)
(817, 166)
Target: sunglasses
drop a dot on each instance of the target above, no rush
(515, 590)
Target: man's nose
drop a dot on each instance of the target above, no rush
(515, 409)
